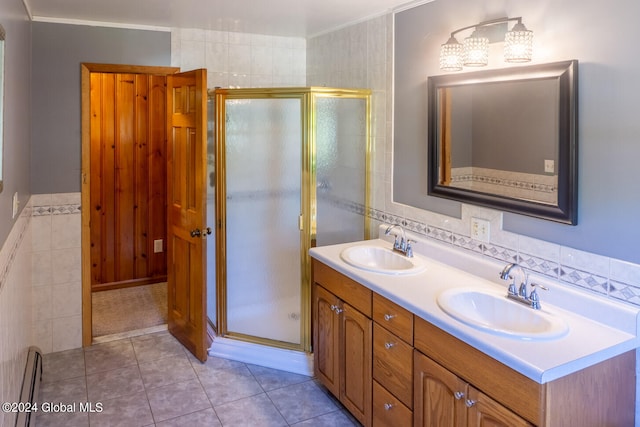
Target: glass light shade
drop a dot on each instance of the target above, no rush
(451, 55)
(518, 44)
(476, 51)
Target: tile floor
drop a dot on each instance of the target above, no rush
(151, 380)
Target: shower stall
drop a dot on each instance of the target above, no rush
(288, 170)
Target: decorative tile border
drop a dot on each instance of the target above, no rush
(66, 209)
(590, 281)
(11, 246)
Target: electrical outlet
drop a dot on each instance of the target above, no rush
(549, 166)
(480, 229)
(157, 246)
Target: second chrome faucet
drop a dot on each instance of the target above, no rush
(520, 293)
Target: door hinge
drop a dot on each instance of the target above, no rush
(300, 222)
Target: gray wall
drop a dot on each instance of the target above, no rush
(17, 119)
(515, 125)
(601, 37)
(58, 51)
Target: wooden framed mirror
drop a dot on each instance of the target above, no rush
(507, 139)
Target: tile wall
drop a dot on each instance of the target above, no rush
(239, 60)
(15, 310)
(56, 271)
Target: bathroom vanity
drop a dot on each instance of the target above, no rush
(393, 357)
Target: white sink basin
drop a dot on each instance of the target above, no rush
(381, 260)
(491, 311)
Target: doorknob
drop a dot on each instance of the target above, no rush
(196, 232)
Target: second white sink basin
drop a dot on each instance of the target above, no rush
(381, 260)
(493, 312)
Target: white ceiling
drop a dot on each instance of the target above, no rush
(297, 18)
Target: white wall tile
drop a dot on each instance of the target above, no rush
(42, 269)
(66, 300)
(41, 233)
(67, 333)
(66, 265)
(65, 231)
(15, 307)
(236, 59)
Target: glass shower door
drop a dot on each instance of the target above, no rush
(263, 157)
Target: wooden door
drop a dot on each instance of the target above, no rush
(186, 191)
(439, 395)
(326, 339)
(355, 358)
(128, 179)
(486, 412)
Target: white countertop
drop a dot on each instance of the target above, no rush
(587, 342)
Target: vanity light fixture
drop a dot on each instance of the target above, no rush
(474, 51)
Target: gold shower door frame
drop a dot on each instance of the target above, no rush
(308, 215)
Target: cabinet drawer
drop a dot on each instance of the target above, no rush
(393, 364)
(343, 287)
(393, 317)
(389, 411)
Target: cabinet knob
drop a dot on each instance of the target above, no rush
(338, 310)
(458, 395)
(470, 403)
(388, 406)
(388, 317)
(388, 345)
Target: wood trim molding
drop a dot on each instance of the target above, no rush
(128, 69)
(85, 95)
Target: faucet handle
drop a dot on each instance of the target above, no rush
(534, 297)
(409, 248)
(512, 287)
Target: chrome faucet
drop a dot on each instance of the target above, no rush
(401, 243)
(505, 274)
(520, 294)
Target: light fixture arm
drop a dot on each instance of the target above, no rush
(487, 23)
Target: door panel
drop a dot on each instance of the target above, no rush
(326, 339)
(186, 186)
(439, 395)
(355, 390)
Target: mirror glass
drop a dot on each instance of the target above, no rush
(2, 38)
(506, 139)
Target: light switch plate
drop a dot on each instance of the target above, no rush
(16, 205)
(480, 229)
(157, 246)
(549, 166)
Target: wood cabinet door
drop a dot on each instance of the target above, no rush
(326, 339)
(486, 412)
(355, 359)
(439, 395)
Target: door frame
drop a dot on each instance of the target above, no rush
(85, 176)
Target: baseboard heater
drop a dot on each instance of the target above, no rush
(30, 386)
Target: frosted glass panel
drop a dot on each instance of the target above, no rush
(263, 163)
(340, 169)
(211, 212)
